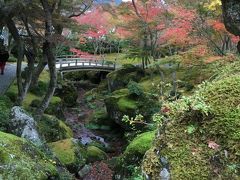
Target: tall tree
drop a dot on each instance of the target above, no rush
(231, 16)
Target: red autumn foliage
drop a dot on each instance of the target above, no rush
(179, 31)
(97, 21)
(219, 27)
(79, 53)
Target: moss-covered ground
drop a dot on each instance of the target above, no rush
(201, 138)
(21, 160)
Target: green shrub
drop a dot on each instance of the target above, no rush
(12, 59)
(35, 103)
(40, 89)
(5, 105)
(134, 89)
(11, 95)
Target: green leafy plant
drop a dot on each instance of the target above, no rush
(135, 89)
(139, 119)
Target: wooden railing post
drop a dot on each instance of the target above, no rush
(60, 63)
(115, 63)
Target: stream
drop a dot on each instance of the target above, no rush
(77, 118)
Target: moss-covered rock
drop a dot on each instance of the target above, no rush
(202, 139)
(95, 154)
(21, 160)
(53, 129)
(100, 118)
(120, 78)
(122, 102)
(70, 153)
(138, 146)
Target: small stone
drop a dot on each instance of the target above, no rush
(164, 161)
(84, 171)
(164, 174)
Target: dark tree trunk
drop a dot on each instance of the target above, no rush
(27, 82)
(48, 51)
(37, 71)
(231, 16)
(20, 55)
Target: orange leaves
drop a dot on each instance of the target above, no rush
(217, 25)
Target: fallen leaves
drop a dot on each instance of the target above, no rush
(213, 145)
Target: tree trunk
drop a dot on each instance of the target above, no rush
(31, 60)
(48, 51)
(37, 71)
(20, 55)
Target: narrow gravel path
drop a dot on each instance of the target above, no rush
(7, 78)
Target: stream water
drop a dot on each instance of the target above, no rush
(77, 117)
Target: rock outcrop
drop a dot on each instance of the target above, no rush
(23, 125)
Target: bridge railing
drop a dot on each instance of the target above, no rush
(74, 61)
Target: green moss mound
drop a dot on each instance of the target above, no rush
(201, 140)
(69, 153)
(122, 102)
(95, 154)
(21, 160)
(223, 98)
(126, 104)
(53, 129)
(138, 146)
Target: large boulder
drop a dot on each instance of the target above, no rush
(20, 159)
(70, 153)
(52, 129)
(23, 125)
